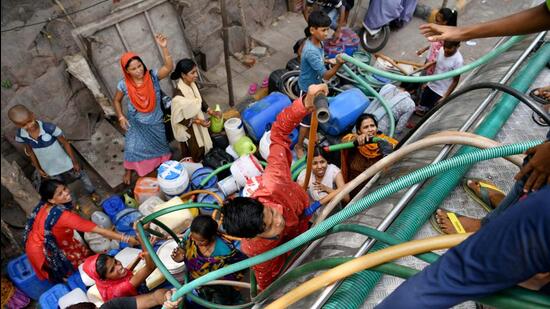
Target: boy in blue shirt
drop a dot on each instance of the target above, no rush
(312, 65)
(42, 142)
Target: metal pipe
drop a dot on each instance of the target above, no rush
(327, 292)
(225, 37)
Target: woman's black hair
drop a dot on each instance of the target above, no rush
(138, 59)
(317, 19)
(205, 226)
(47, 189)
(319, 151)
(183, 66)
(101, 265)
(450, 16)
(363, 117)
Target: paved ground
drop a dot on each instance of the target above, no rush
(283, 33)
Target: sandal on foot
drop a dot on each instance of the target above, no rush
(537, 97)
(482, 198)
(453, 217)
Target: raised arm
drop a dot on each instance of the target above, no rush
(528, 21)
(168, 65)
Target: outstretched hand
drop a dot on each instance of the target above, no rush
(435, 32)
(537, 168)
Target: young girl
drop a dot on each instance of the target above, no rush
(114, 280)
(203, 250)
(446, 17)
(326, 178)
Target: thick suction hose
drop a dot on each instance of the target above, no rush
(364, 262)
(429, 78)
(321, 108)
(441, 138)
(360, 206)
(310, 148)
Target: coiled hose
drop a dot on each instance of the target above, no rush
(358, 207)
(428, 199)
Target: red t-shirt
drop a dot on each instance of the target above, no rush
(278, 191)
(63, 233)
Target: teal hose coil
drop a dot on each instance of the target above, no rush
(354, 290)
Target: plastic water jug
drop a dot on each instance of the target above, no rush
(145, 188)
(233, 129)
(124, 220)
(209, 199)
(344, 108)
(101, 219)
(172, 178)
(246, 167)
(148, 207)
(259, 116)
(75, 296)
(50, 299)
(24, 278)
(177, 221)
(216, 124)
(199, 175)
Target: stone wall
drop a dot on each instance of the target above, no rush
(36, 35)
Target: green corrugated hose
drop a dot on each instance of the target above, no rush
(383, 101)
(429, 78)
(354, 290)
(361, 205)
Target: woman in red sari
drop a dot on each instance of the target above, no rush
(50, 245)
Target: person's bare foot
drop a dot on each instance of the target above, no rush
(300, 152)
(127, 177)
(95, 197)
(494, 196)
(536, 282)
(469, 224)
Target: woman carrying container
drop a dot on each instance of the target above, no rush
(49, 240)
(327, 178)
(373, 145)
(189, 124)
(145, 144)
(203, 250)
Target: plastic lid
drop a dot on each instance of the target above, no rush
(171, 170)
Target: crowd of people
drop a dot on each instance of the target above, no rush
(279, 209)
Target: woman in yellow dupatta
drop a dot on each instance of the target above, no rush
(189, 124)
(357, 160)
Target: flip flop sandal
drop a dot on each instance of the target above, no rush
(454, 221)
(483, 198)
(539, 120)
(537, 97)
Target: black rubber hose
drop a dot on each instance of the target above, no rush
(484, 85)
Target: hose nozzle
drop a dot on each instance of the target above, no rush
(321, 108)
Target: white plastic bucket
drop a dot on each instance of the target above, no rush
(228, 185)
(229, 149)
(100, 218)
(164, 253)
(265, 142)
(75, 296)
(246, 167)
(172, 177)
(234, 129)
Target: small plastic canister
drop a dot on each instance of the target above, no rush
(100, 218)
